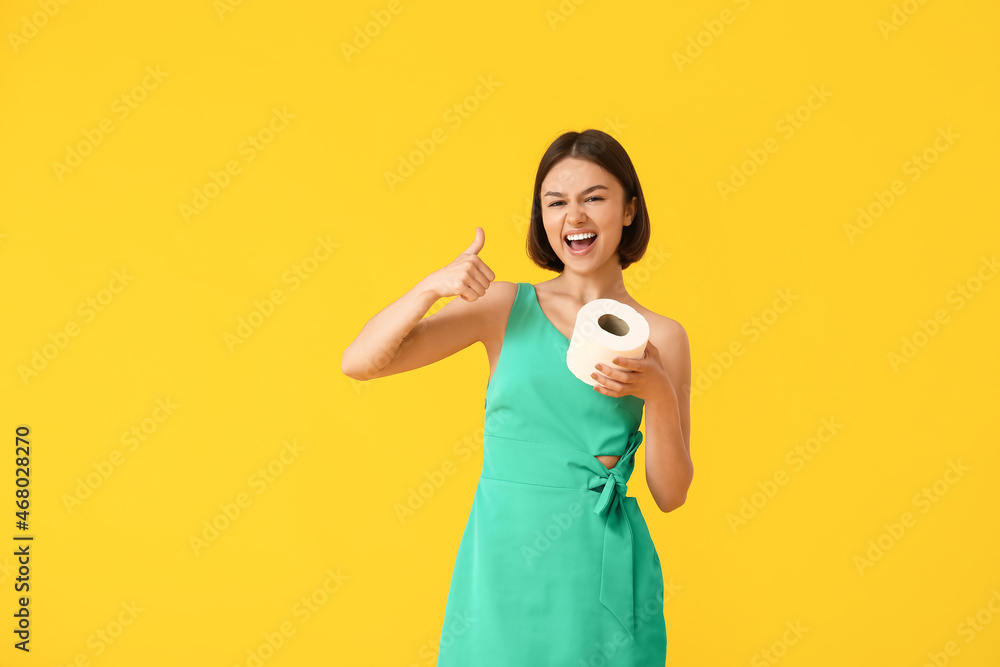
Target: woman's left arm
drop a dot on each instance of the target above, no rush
(662, 378)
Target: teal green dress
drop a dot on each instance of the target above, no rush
(556, 567)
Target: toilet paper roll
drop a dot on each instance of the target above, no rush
(605, 329)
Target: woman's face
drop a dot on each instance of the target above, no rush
(579, 196)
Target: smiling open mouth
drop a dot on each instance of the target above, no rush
(580, 241)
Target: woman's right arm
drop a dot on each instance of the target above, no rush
(398, 338)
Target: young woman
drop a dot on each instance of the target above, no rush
(556, 566)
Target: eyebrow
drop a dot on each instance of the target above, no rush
(588, 190)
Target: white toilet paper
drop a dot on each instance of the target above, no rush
(605, 329)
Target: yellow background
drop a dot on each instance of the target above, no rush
(715, 263)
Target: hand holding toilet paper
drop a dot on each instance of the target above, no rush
(605, 329)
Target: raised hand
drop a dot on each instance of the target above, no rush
(467, 275)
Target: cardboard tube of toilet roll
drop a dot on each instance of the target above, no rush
(605, 329)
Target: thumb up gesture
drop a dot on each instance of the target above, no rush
(467, 275)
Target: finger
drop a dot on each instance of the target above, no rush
(478, 280)
(456, 284)
(468, 294)
(471, 283)
(472, 289)
(607, 384)
(487, 271)
(627, 362)
(614, 373)
(478, 243)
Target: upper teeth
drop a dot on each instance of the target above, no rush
(577, 237)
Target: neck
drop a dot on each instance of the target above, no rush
(605, 282)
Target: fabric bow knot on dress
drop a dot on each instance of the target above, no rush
(616, 571)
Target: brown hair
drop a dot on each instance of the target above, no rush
(604, 150)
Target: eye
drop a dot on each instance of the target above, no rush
(588, 199)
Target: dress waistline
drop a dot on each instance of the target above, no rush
(544, 464)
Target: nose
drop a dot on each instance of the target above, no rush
(575, 214)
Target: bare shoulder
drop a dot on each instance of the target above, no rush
(669, 337)
(661, 328)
